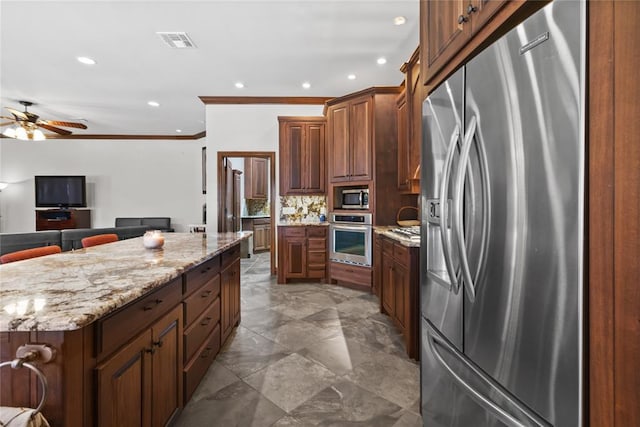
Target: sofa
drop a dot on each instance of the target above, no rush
(67, 239)
(161, 223)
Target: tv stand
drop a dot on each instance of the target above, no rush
(59, 219)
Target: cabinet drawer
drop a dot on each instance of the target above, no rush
(387, 246)
(230, 255)
(317, 231)
(401, 253)
(124, 324)
(316, 244)
(295, 231)
(316, 258)
(356, 274)
(200, 274)
(201, 299)
(196, 334)
(197, 367)
(262, 221)
(316, 272)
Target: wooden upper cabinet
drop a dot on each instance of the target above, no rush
(302, 155)
(403, 141)
(256, 178)
(351, 140)
(339, 165)
(452, 31)
(447, 32)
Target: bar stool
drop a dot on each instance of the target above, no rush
(29, 253)
(98, 239)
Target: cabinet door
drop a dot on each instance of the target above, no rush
(445, 35)
(361, 139)
(314, 158)
(339, 143)
(226, 315)
(260, 237)
(388, 287)
(255, 185)
(235, 292)
(292, 159)
(124, 385)
(403, 142)
(377, 267)
(296, 257)
(480, 11)
(415, 126)
(401, 294)
(167, 367)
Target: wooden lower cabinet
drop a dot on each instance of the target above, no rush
(398, 273)
(302, 252)
(229, 298)
(261, 228)
(141, 384)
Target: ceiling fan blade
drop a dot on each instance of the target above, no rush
(6, 123)
(66, 124)
(54, 129)
(18, 114)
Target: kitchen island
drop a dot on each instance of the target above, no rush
(134, 329)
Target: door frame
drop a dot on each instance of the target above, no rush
(271, 157)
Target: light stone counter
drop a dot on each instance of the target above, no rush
(68, 291)
(403, 240)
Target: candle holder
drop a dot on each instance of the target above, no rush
(153, 239)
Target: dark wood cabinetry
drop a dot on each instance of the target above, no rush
(302, 252)
(256, 178)
(409, 114)
(261, 228)
(230, 294)
(452, 31)
(351, 136)
(149, 371)
(396, 271)
(302, 155)
(60, 219)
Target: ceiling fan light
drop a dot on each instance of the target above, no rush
(38, 135)
(21, 133)
(9, 132)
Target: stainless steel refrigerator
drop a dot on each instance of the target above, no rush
(503, 230)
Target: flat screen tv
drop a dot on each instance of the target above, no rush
(61, 191)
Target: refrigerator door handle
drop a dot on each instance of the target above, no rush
(435, 338)
(458, 214)
(444, 208)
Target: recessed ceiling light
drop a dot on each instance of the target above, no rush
(239, 85)
(153, 103)
(351, 76)
(86, 60)
(399, 20)
(381, 61)
(306, 85)
(179, 130)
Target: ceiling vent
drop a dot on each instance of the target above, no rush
(177, 40)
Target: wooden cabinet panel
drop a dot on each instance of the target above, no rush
(200, 274)
(361, 132)
(302, 253)
(166, 397)
(124, 385)
(403, 142)
(445, 22)
(195, 334)
(197, 367)
(484, 11)
(60, 219)
(388, 286)
(302, 155)
(339, 162)
(229, 298)
(200, 300)
(377, 266)
(256, 178)
(261, 237)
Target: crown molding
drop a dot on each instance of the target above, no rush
(302, 100)
(195, 136)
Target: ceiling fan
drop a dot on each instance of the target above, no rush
(27, 124)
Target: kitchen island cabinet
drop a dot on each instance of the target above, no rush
(134, 329)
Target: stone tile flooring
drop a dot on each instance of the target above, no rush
(307, 354)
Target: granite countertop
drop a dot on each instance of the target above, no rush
(403, 240)
(70, 290)
(302, 223)
(254, 216)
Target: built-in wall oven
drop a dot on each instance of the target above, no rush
(350, 238)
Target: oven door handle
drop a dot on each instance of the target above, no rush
(350, 227)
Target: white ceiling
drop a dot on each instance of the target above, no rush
(271, 46)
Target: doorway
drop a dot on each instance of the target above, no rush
(229, 211)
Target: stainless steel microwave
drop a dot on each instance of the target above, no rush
(354, 198)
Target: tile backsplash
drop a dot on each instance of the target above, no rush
(257, 207)
(305, 208)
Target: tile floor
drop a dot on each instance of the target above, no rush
(307, 355)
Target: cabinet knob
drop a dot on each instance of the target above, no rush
(471, 8)
(157, 343)
(206, 294)
(150, 350)
(462, 19)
